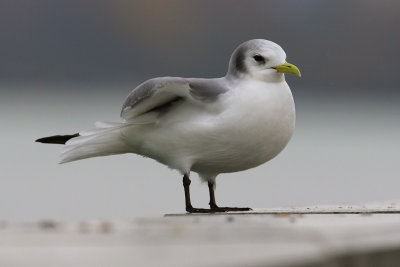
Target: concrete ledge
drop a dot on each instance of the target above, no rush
(345, 209)
(311, 236)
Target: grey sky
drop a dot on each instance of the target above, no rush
(335, 43)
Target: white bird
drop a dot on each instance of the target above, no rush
(207, 126)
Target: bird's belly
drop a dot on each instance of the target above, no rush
(251, 133)
(238, 158)
(247, 145)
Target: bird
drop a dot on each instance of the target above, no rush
(209, 126)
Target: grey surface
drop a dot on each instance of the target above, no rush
(254, 239)
(389, 208)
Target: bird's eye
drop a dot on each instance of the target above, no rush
(260, 59)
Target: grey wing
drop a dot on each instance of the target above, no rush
(158, 92)
(207, 89)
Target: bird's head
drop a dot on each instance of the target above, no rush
(260, 59)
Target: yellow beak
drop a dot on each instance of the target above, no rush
(288, 68)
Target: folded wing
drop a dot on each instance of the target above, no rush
(150, 98)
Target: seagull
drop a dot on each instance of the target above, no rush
(207, 126)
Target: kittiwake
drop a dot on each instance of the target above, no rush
(207, 126)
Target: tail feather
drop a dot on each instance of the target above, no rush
(98, 142)
(105, 139)
(102, 127)
(106, 124)
(56, 139)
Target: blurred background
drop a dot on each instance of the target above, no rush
(66, 64)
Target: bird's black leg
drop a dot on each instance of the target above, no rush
(189, 207)
(213, 204)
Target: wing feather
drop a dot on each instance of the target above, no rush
(157, 92)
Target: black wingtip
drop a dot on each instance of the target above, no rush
(56, 139)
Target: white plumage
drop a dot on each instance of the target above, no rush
(208, 126)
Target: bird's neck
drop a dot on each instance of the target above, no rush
(270, 78)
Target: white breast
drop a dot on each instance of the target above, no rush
(256, 126)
